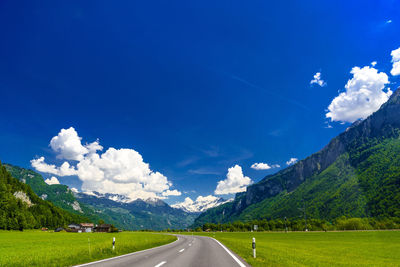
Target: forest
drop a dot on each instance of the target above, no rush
(21, 208)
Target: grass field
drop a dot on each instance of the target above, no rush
(36, 248)
(361, 248)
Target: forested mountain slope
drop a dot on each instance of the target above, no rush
(357, 174)
(21, 208)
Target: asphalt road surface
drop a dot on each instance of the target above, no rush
(187, 251)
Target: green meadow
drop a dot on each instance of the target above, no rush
(352, 248)
(37, 248)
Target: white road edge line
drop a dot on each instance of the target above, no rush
(181, 250)
(160, 264)
(121, 256)
(230, 253)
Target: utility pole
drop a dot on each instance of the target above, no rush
(305, 215)
(285, 225)
(304, 209)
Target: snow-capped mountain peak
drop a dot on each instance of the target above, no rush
(113, 197)
(200, 204)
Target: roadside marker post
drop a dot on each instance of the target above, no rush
(113, 243)
(254, 247)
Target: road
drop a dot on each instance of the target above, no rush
(187, 251)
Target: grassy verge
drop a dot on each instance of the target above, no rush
(358, 248)
(36, 248)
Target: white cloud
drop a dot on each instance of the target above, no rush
(116, 171)
(396, 62)
(235, 182)
(291, 161)
(373, 63)
(94, 147)
(52, 180)
(263, 166)
(317, 80)
(388, 21)
(64, 170)
(171, 193)
(68, 145)
(73, 189)
(364, 95)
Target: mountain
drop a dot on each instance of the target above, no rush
(357, 174)
(201, 204)
(114, 197)
(112, 208)
(21, 208)
(139, 214)
(60, 195)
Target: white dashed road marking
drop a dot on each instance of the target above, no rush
(160, 264)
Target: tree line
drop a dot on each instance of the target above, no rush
(16, 214)
(341, 223)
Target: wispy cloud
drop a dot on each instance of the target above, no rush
(268, 91)
(204, 171)
(243, 155)
(186, 162)
(276, 132)
(212, 151)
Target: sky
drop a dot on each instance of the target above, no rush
(177, 99)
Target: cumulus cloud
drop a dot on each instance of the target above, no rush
(396, 62)
(64, 170)
(117, 171)
(263, 166)
(291, 161)
(373, 63)
(186, 203)
(317, 80)
(364, 95)
(235, 182)
(52, 180)
(68, 145)
(171, 193)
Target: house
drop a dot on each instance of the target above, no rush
(103, 228)
(87, 227)
(73, 227)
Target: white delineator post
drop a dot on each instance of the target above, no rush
(254, 247)
(113, 243)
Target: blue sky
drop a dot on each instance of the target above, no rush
(194, 87)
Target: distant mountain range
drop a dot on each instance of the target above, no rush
(113, 197)
(357, 174)
(138, 214)
(119, 210)
(201, 204)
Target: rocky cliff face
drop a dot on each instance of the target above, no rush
(381, 123)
